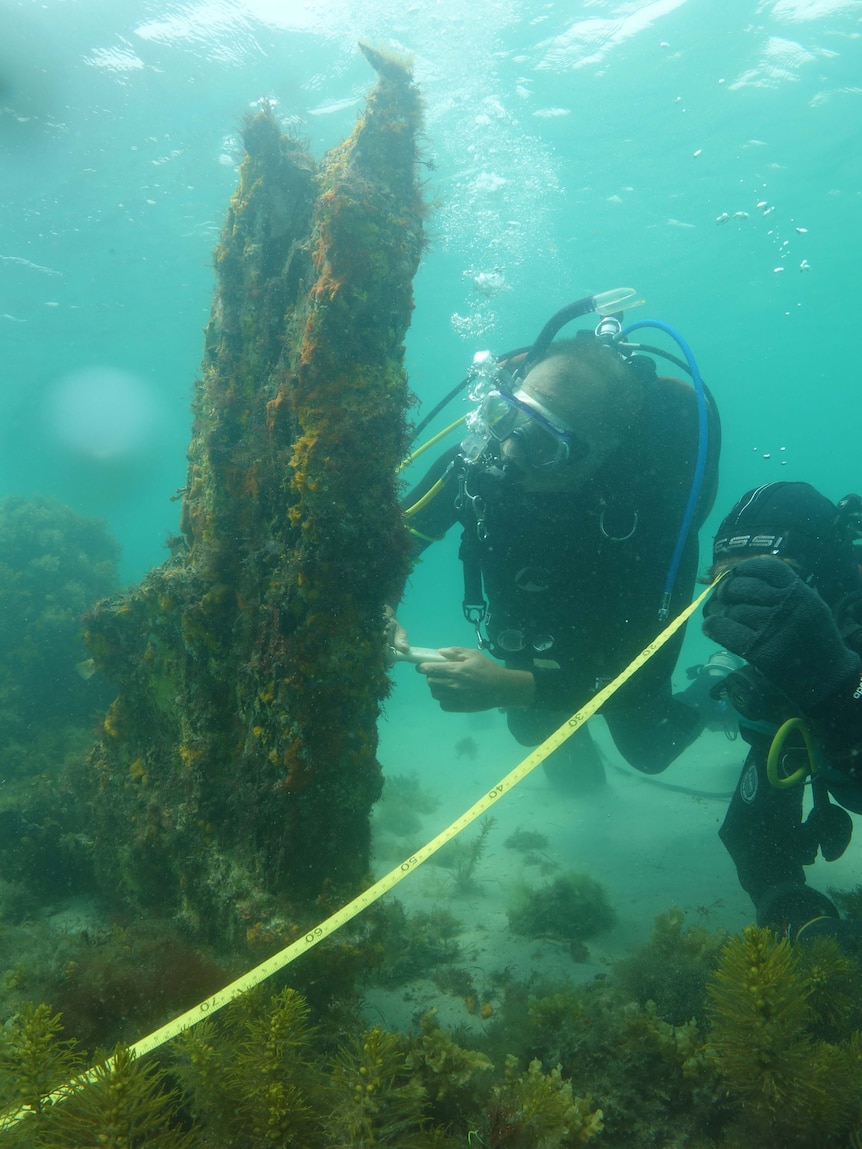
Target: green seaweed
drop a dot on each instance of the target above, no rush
(377, 1099)
(270, 1072)
(794, 1089)
(573, 907)
(537, 1110)
(54, 566)
(526, 841)
(462, 858)
(672, 969)
(453, 1077)
(258, 1077)
(125, 1103)
(413, 945)
(34, 1059)
(121, 1103)
(263, 1092)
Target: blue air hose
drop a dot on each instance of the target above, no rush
(700, 464)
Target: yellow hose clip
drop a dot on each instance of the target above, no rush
(773, 759)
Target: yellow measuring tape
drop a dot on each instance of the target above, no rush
(341, 917)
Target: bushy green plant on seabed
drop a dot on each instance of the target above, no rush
(572, 907)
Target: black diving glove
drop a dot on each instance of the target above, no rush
(764, 612)
(802, 914)
(788, 907)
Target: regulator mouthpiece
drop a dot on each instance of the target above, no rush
(618, 298)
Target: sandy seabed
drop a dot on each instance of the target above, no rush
(651, 841)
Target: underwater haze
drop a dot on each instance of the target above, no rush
(705, 154)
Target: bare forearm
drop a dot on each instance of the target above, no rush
(468, 681)
(517, 688)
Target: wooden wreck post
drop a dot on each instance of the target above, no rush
(237, 768)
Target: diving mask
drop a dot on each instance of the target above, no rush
(547, 442)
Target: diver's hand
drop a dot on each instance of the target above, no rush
(470, 681)
(394, 634)
(764, 612)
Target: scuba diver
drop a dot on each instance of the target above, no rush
(790, 604)
(580, 488)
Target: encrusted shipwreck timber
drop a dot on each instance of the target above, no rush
(237, 768)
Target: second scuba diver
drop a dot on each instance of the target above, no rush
(580, 490)
(791, 605)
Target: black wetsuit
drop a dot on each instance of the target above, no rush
(764, 831)
(574, 582)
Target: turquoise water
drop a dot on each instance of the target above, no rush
(705, 153)
(571, 148)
